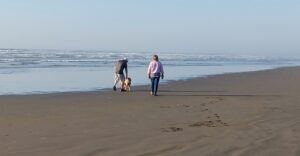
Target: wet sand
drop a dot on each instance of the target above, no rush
(253, 113)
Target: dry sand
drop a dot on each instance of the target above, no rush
(253, 113)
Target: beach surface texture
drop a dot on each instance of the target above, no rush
(251, 113)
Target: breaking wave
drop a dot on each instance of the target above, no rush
(25, 58)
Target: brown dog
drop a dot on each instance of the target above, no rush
(127, 84)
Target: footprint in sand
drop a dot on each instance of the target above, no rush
(217, 115)
(187, 106)
(212, 102)
(172, 129)
(203, 104)
(165, 107)
(214, 116)
(204, 110)
(210, 123)
(219, 98)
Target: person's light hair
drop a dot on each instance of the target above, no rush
(155, 57)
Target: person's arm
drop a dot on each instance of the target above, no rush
(149, 71)
(162, 71)
(126, 72)
(115, 67)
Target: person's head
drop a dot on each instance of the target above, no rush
(155, 58)
(125, 59)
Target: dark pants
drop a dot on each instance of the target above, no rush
(154, 84)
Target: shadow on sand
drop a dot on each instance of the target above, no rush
(203, 93)
(184, 91)
(216, 95)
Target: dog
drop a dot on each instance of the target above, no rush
(127, 84)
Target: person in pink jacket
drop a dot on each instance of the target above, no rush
(155, 72)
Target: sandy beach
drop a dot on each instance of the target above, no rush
(252, 113)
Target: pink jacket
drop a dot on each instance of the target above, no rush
(155, 68)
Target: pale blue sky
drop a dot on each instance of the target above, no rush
(242, 26)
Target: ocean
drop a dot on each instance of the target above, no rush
(27, 71)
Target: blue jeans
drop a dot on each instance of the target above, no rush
(154, 84)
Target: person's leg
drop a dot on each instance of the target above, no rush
(122, 77)
(123, 86)
(156, 85)
(116, 80)
(152, 85)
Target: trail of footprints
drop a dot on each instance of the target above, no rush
(213, 120)
(171, 129)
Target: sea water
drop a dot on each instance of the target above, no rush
(25, 71)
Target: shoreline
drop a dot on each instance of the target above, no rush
(142, 85)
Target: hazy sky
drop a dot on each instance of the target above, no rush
(249, 26)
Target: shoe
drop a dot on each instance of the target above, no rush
(115, 88)
(123, 90)
(151, 93)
